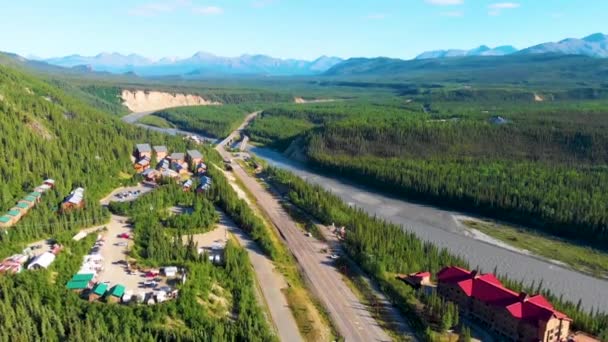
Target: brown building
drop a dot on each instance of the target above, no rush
(194, 157)
(142, 165)
(160, 151)
(142, 151)
(75, 200)
(416, 279)
(177, 157)
(510, 315)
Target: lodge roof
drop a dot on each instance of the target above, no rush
(488, 289)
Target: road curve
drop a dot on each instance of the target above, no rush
(439, 226)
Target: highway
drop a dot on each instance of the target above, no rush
(351, 317)
(441, 228)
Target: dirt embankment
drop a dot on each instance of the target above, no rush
(146, 101)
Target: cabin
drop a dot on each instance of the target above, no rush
(44, 260)
(98, 291)
(142, 165)
(187, 185)
(170, 271)
(29, 201)
(142, 151)
(150, 175)
(160, 152)
(75, 200)
(194, 157)
(6, 221)
(43, 188)
(181, 168)
(205, 183)
(200, 168)
(417, 279)
(116, 293)
(177, 157)
(15, 214)
(77, 285)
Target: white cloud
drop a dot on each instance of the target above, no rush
(208, 10)
(444, 2)
(497, 8)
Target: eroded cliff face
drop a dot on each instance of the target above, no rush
(146, 101)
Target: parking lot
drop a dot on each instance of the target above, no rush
(125, 194)
(115, 269)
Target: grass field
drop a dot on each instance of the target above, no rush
(584, 259)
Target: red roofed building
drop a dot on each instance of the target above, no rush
(511, 315)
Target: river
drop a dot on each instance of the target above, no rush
(441, 228)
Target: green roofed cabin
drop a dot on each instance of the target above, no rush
(6, 221)
(83, 277)
(14, 213)
(22, 205)
(98, 291)
(116, 293)
(35, 194)
(77, 285)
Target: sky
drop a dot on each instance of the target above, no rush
(304, 29)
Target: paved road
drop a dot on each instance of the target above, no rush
(271, 282)
(351, 317)
(440, 227)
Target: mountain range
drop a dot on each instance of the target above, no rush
(201, 63)
(483, 50)
(595, 45)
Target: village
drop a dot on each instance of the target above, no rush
(107, 273)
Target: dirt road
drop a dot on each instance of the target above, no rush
(351, 317)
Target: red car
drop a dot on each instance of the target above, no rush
(151, 274)
(124, 236)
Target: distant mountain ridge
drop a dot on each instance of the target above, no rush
(201, 63)
(482, 50)
(595, 45)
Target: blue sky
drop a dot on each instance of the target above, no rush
(288, 28)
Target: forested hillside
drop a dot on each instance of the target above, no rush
(214, 121)
(48, 134)
(541, 164)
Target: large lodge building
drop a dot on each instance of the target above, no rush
(512, 316)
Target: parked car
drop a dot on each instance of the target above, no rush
(150, 283)
(124, 236)
(334, 256)
(121, 244)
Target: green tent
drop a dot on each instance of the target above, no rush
(77, 285)
(117, 291)
(83, 277)
(100, 289)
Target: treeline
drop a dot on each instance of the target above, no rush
(226, 198)
(384, 250)
(195, 213)
(553, 180)
(215, 121)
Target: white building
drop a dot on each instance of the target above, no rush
(44, 260)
